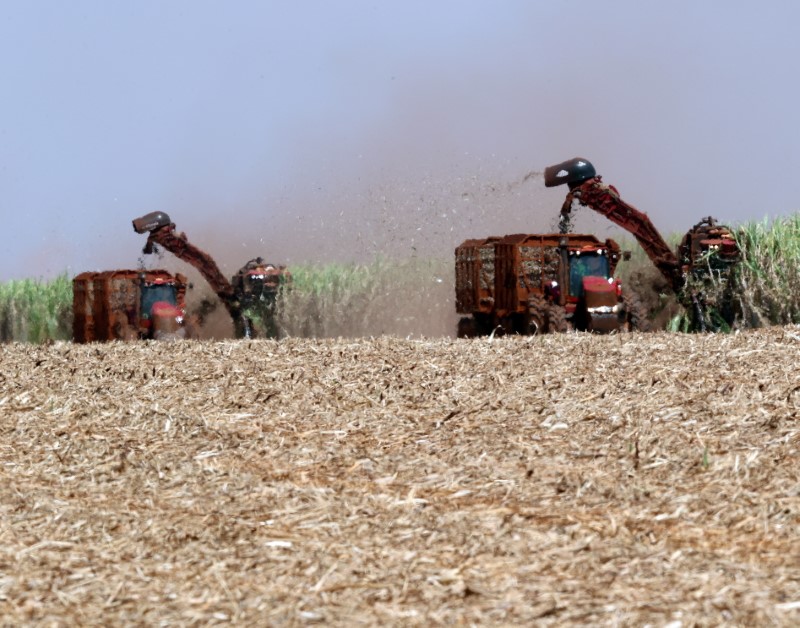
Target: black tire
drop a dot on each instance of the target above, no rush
(557, 319)
(485, 324)
(466, 327)
(537, 315)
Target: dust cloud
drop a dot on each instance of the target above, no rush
(398, 219)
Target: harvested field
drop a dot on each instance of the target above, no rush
(559, 480)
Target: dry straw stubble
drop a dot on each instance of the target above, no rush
(560, 479)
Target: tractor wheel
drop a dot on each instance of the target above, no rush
(466, 327)
(537, 315)
(635, 313)
(557, 319)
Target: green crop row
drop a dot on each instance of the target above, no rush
(768, 279)
(763, 289)
(385, 296)
(33, 310)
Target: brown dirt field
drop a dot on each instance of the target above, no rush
(569, 479)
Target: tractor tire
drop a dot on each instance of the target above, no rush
(557, 319)
(537, 315)
(635, 313)
(467, 327)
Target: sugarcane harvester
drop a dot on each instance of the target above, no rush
(542, 283)
(161, 231)
(258, 284)
(707, 252)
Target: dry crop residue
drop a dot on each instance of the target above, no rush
(558, 479)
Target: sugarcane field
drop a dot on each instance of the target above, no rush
(399, 314)
(351, 448)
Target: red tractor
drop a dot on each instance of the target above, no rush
(129, 305)
(540, 283)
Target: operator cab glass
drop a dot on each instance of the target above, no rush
(253, 285)
(262, 284)
(152, 293)
(585, 264)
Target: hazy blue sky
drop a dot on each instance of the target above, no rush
(313, 130)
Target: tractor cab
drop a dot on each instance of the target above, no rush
(593, 291)
(586, 262)
(160, 312)
(157, 291)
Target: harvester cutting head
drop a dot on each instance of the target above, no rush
(259, 281)
(709, 245)
(573, 172)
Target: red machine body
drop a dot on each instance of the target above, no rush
(537, 283)
(588, 190)
(256, 283)
(707, 252)
(161, 231)
(129, 305)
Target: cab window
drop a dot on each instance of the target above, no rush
(585, 265)
(152, 293)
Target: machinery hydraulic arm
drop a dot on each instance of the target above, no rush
(162, 232)
(588, 189)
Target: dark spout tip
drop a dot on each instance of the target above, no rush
(573, 172)
(151, 222)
